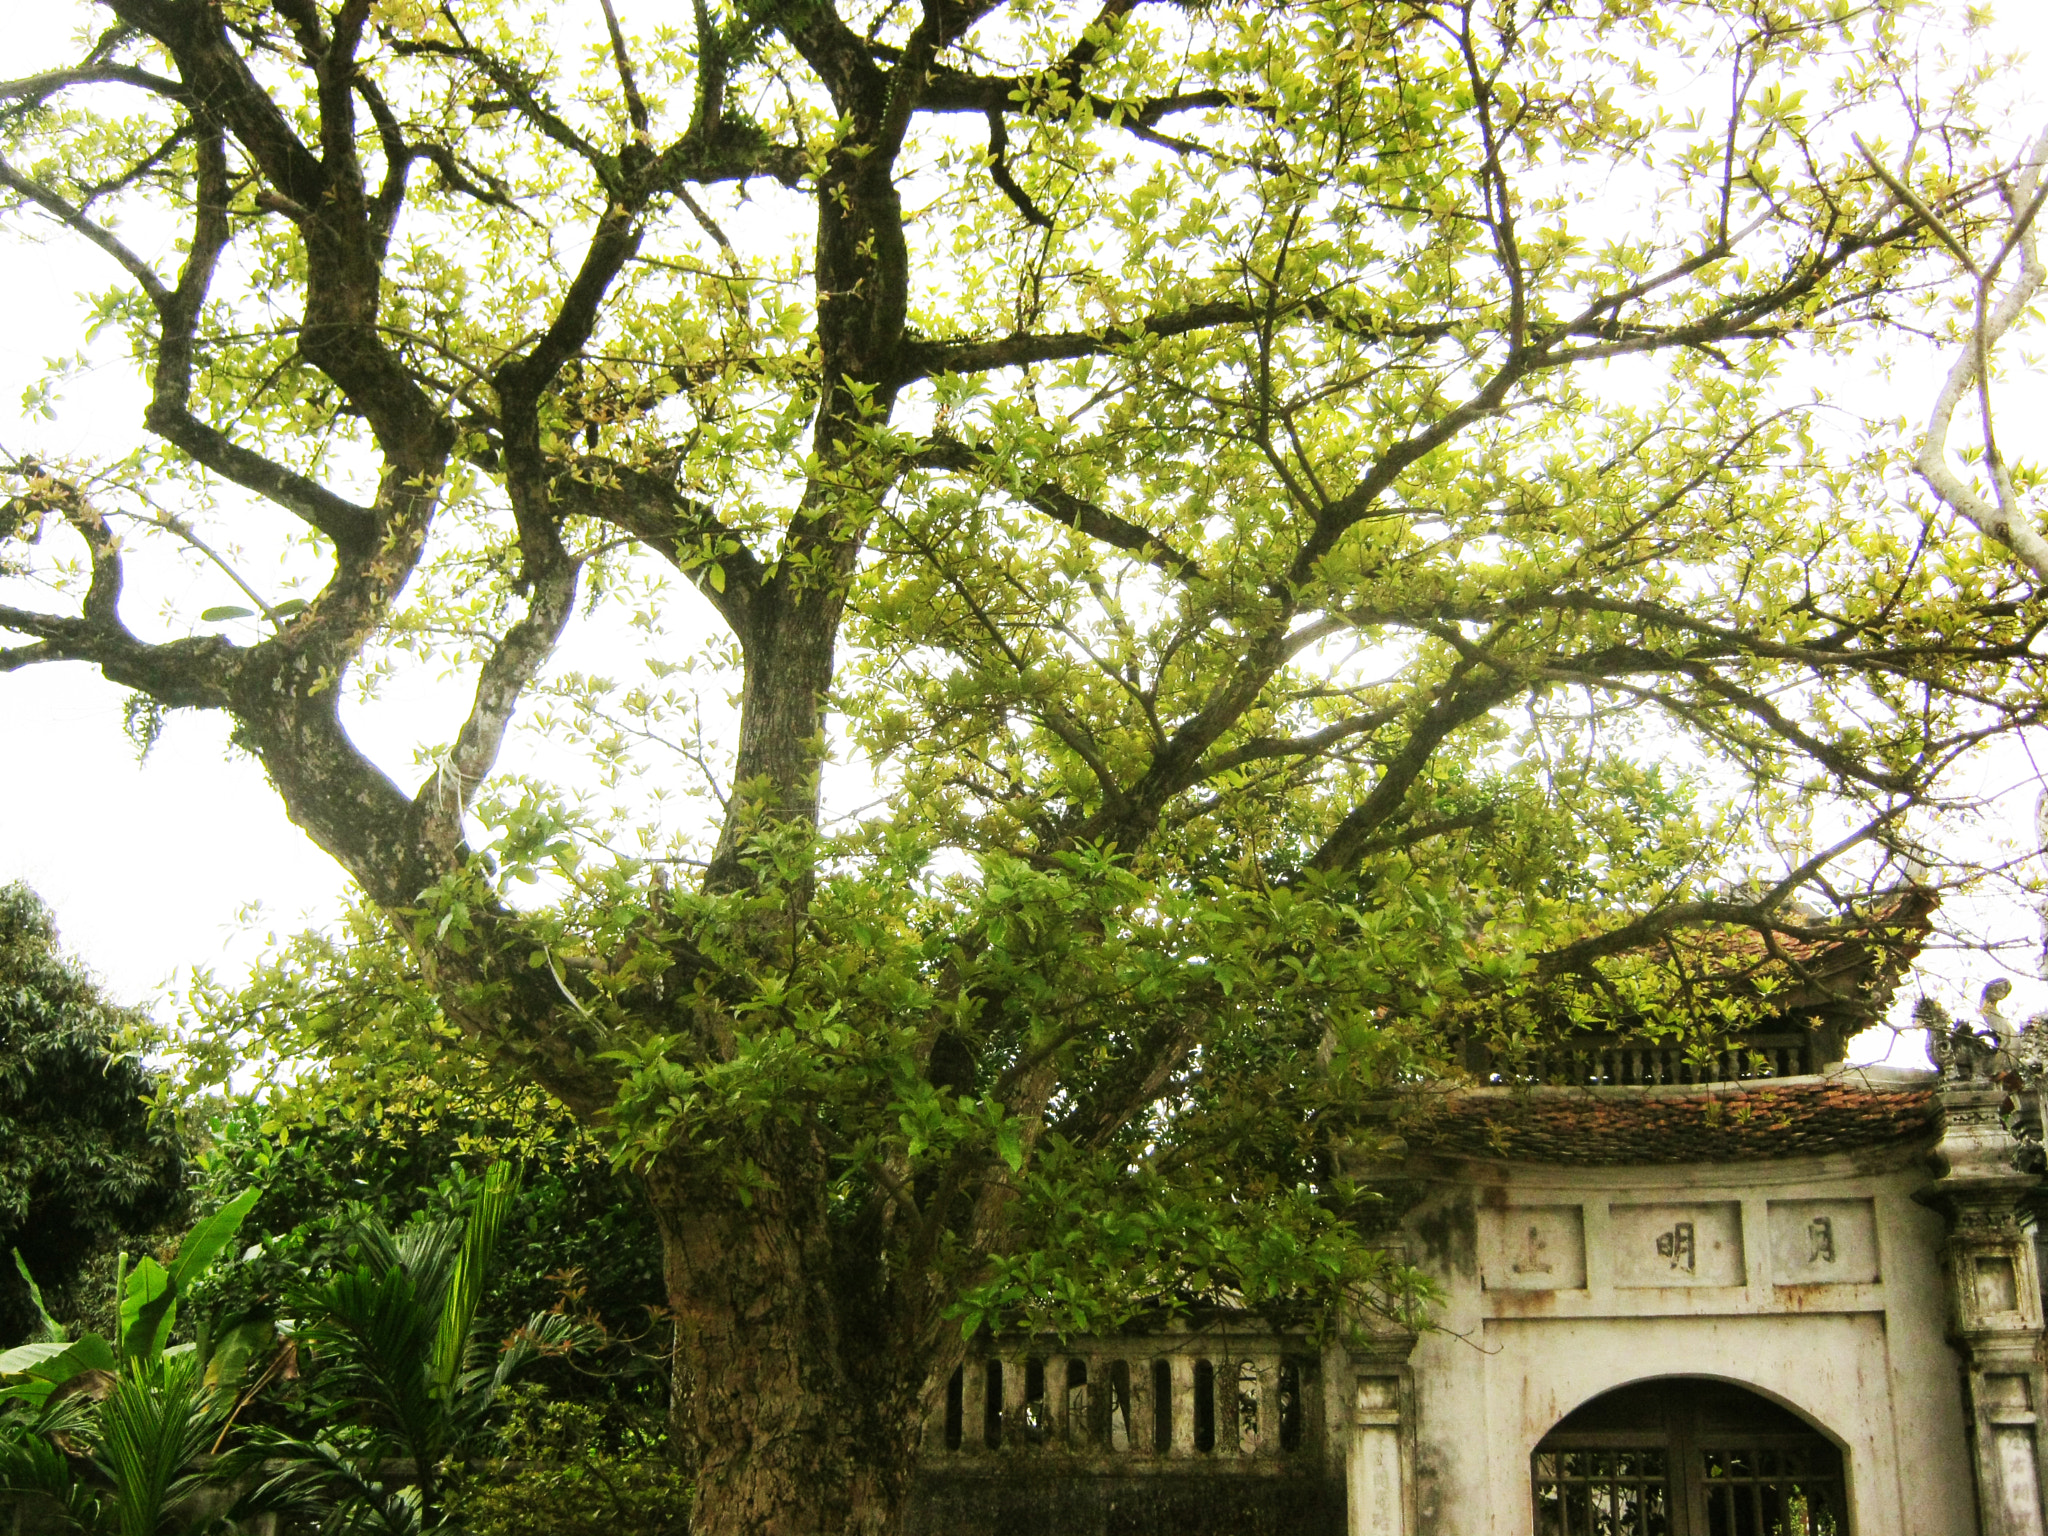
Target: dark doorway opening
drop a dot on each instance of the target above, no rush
(1683, 1456)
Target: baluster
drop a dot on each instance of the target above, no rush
(1182, 1368)
(1159, 1421)
(1269, 1405)
(1139, 1398)
(1225, 1387)
(953, 1413)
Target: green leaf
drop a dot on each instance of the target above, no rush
(207, 1239)
(87, 1352)
(24, 1357)
(1010, 1146)
(466, 1284)
(228, 611)
(52, 1329)
(149, 1302)
(228, 1361)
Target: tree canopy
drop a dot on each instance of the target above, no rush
(82, 1160)
(1294, 511)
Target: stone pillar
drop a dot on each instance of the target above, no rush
(1379, 1480)
(1992, 1270)
(1016, 1422)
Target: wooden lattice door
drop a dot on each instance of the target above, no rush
(1683, 1456)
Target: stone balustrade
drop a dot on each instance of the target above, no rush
(1247, 1401)
(1225, 1431)
(1596, 1060)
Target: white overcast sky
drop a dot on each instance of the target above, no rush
(154, 868)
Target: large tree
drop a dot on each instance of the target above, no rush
(1293, 507)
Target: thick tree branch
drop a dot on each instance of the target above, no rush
(1457, 704)
(923, 359)
(1314, 744)
(1762, 916)
(197, 673)
(2000, 516)
(1061, 505)
(682, 530)
(351, 527)
(33, 90)
(514, 662)
(999, 172)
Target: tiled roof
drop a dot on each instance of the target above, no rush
(1601, 1127)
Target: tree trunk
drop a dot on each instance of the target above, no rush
(788, 659)
(804, 1395)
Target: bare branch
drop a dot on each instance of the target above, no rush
(75, 219)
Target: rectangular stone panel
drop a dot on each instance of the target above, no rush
(1697, 1243)
(1535, 1248)
(1998, 1288)
(1823, 1242)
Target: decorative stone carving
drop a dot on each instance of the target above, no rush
(1989, 1160)
(1963, 1055)
(2029, 1050)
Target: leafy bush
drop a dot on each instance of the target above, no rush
(575, 1227)
(120, 1433)
(403, 1378)
(575, 1469)
(82, 1161)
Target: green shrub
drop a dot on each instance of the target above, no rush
(574, 1469)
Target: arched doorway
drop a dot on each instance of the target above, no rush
(1683, 1456)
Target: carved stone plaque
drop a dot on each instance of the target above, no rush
(1660, 1245)
(1535, 1248)
(1823, 1242)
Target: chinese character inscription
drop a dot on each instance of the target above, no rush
(1680, 1247)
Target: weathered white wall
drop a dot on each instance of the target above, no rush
(1841, 1321)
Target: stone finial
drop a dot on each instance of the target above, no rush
(1962, 1054)
(1995, 992)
